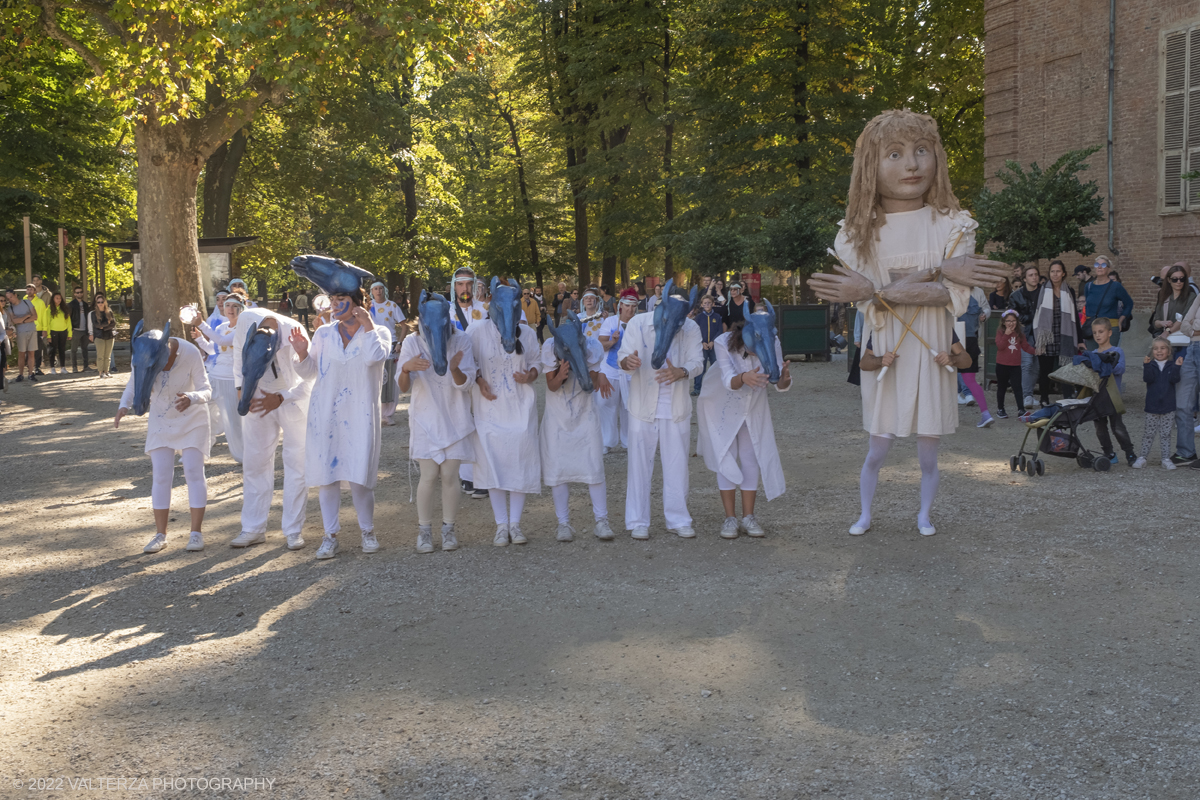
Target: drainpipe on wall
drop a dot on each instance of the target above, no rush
(1112, 55)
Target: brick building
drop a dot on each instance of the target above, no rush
(1047, 92)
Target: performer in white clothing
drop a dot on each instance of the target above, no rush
(660, 409)
(344, 431)
(465, 310)
(435, 365)
(735, 435)
(571, 446)
(614, 409)
(220, 372)
(906, 244)
(507, 460)
(386, 313)
(279, 405)
(167, 380)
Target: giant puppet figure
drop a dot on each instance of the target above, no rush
(907, 259)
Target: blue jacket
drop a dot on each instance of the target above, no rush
(1110, 300)
(1104, 362)
(1160, 387)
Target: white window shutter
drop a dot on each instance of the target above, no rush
(1175, 117)
(1192, 199)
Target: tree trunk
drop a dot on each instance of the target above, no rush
(668, 144)
(531, 229)
(169, 164)
(576, 158)
(800, 90)
(220, 171)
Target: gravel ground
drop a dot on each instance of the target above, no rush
(1042, 645)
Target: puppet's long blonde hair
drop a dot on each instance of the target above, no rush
(864, 212)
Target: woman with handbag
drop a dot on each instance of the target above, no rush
(1107, 298)
(1055, 326)
(1174, 300)
(102, 326)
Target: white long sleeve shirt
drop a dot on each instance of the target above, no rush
(284, 380)
(685, 352)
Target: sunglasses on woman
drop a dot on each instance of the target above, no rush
(1177, 280)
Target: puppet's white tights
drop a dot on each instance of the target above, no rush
(927, 449)
(162, 471)
(430, 472)
(507, 506)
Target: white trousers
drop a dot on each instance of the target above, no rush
(215, 419)
(330, 496)
(673, 438)
(743, 446)
(612, 410)
(162, 475)
(225, 398)
(562, 501)
(261, 435)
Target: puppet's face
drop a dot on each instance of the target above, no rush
(906, 170)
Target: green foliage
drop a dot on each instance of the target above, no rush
(715, 250)
(1040, 213)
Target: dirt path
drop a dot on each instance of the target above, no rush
(1041, 645)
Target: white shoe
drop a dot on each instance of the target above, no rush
(295, 541)
(424, 538)
(245, 539)
(641, 533)
(157, 543)
(565, 533)
(515, 536)
(1141, 462)
(604, 530)
(195, 542)
(751, 527)
(859, 530)
(1166, 463)
(328, 548)
(929, 531)
(369, 543)
(449, 539)
(962, 399)
(501, 538)
(686, 532)
(1030, 403)
(729, 528)
(388, 422)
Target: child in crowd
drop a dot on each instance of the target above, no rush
(1102, 335)
(1160, 373)
(1010, 342)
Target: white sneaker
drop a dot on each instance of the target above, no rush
(565, 533)
(369, 543)
(604, 530)
(729, 528)
(641, 534)
(686, 532)
(424, 538)
(328, 548)
(245, 539)
(962, 399)
(927, 531)
(1141, 462)
(1166, 463)
(449, 539)
(157, 543)
(195, 542)
(501, 538)
(295, 541)
(751, 527)
(1030, 403)
(515, 535)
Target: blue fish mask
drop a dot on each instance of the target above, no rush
(505, 311)
(669, 316)
(258, 353)
(570, 345)
(332, 275)
(433, 311)
(150, 352)
(758, 335)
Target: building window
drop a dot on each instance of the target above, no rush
(1181, 120)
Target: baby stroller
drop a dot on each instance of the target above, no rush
(1057, 434)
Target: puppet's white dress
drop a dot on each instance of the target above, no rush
(916, 396)
(721, 411)
(571, 444)
(506, 429)
(166, 427)
(344, 433)
(439, 413)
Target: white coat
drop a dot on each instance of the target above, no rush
(571, 444)
(166, 427)
(685, 352)
(721, 411)
(506, 429)
(439, 413)
(289, 383)
(344, 432)
(220, 369)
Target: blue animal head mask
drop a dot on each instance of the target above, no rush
(150, 352)
(258, 353)
(433, 310)
(332, 275)
(759, 337)
(669, 316)
(570, 345)
(505, 311)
